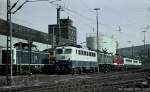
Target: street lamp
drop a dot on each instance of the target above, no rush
(97, 9)
(144, 39)
(131, 48)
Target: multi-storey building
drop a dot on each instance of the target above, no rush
(65, 32)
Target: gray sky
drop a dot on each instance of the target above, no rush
(131, 15)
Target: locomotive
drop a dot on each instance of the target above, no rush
(24, 60)
(70, 59)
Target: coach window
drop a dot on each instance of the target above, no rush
(135, 61)
(79, 52)
(90, 53)
(68, 51)
(85, 53)
(128, 60)
(59, 51)
(82, 53)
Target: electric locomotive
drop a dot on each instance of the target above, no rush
(75, 59)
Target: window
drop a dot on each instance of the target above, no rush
(135, 61)
(94, 54)
(85, 53)
(76, 51)
(128, 60)
(59, 51)
(79, 52)
(82, 53)
(90, 53)
(68, 51)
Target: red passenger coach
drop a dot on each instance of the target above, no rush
(118, 62)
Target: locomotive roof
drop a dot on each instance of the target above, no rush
(76, 47)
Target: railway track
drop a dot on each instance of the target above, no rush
(81, 88)
(81, 83)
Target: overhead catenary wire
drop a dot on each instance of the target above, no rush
(83, 22)
(90, 20)
(73, 14)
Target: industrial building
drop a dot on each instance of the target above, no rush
(65, 32)
(105, 43)
(24, 34)
(135, 51)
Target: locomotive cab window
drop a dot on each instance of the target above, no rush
(59, 51)
(68, 51)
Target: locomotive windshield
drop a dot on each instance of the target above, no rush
(59, 51)
(68, 51)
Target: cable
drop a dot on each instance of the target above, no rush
(84, 17)
(35, 0)
(85, 23)
(14, 5)
(85, 5)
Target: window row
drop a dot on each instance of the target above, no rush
(79, 52)
(85, 53)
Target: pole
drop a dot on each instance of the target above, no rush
(117, 47)
(144, 50)
(130, 48)
(58, 14)
(53, 38)
(97, 9)
(58, 23)
(9, 44)
(132, 52)
(144, 40)
(30, 55)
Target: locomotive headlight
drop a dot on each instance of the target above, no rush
(115, 63)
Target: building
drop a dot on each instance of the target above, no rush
(105, 43)
(65, 32)
(135, 51)
(24, 34)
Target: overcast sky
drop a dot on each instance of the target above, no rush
(131, 15)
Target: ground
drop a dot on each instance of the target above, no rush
(126, 81)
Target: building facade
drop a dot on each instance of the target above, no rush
(24, 34)
(135, 51)
(65, 32)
